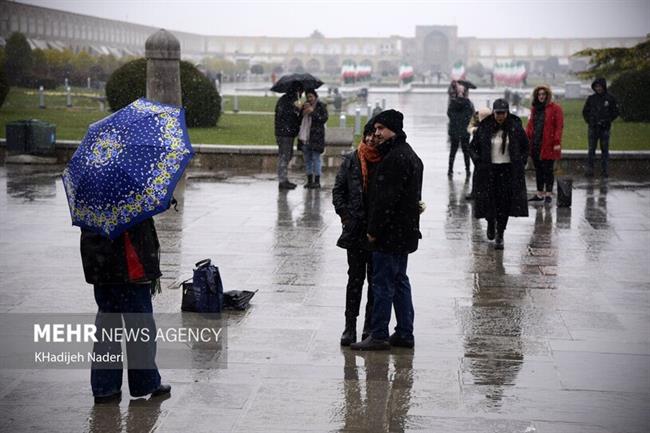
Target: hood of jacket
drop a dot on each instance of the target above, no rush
(549, 93)
(600, 81)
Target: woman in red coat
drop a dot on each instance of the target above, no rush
(544, 131)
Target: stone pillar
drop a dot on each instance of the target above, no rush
(163, 53)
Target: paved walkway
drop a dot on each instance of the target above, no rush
(551, 335)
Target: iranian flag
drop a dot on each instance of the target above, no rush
(405, 74)
(458, 71)
(363, 72)
(509, 73)
(348, 73)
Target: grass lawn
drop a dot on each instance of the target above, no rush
(71, 123)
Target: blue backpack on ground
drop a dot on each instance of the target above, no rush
(204, 292)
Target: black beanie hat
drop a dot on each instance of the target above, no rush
(391, 119)
(370, 127)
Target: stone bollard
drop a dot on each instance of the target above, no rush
(88, 81)
(342, 121)
(357, 121)
(41, 97)
(383, 104)
(163, 53)
(235, 103)
(369, 111)
(68, 97)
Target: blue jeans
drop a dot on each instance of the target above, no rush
(391, 287)
(113, 301)
(597, 133)
(312, 161)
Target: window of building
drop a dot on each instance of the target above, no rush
(539, 50)
(520, 50)
(557, 49)
(502, 50)
(485, 50)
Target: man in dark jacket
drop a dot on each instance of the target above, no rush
(287, 126)
(599, 112)
(124, 273)
(459, 111)
(393, 232)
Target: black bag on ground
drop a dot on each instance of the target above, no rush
(204, 292)
(237, 299)
(564, 192)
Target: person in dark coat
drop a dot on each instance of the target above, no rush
(544, 132)
(311, 136)
(460, 111)
(124, 273)
(599, 111)
(287, 125)
(395, 192)
(350, 199)
(500, 151)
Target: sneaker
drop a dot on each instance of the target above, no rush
(162, 390)
(548, 199)
(536, 198)
(285, 184)
(370, 344)
(396, 340)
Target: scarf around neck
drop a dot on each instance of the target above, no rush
(367, 154)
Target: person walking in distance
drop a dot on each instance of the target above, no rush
(459, 111)
(544, 132)
(500, 149)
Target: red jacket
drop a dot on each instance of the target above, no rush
(552, 136)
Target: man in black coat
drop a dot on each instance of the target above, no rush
(287, 126)
(599, 112)
(124, 273)
(459, 111)
(395, 192)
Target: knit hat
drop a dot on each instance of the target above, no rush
(370, 127)
(391, 119)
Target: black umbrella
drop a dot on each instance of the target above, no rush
(237, 299)
(287, 82)
(466, 84)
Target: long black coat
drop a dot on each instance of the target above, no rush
(287, 116)
(395, 191)
(460, 112)
(317, 130)
(104, 260)
(349, 204)
(518, 149)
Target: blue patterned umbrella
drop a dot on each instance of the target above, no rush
(127, 166)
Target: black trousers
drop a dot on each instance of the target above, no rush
(543, 172)
(359, 270)
(500, 193)
(463, 143)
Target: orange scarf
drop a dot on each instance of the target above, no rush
(367, 154)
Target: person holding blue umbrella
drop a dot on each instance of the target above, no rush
(123, 173)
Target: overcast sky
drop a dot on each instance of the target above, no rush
(378, 18)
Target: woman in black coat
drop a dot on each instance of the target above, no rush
(500, 149)
(350, 199)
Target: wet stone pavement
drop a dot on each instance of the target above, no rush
(550, 335)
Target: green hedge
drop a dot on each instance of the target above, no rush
(200, 99)
(632, 92)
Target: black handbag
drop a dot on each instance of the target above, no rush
(203, 293)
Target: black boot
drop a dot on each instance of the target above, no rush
(491, 229)
(498, 243)
(366, 329)
(349, 335)
(310, 181)
(316, 184)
